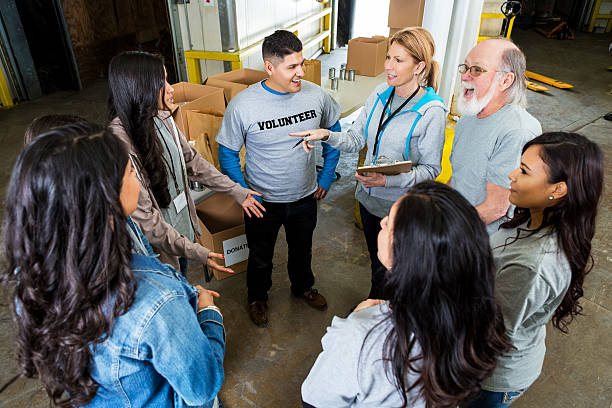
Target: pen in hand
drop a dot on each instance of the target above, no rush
(300, 141)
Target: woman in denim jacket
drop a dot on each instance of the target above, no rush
(100, 320)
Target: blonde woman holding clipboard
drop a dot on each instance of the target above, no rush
(402, 120)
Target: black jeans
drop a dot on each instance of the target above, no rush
(299, 219)
(371, 227)
(183, 265)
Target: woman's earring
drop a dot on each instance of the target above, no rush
(551, 197)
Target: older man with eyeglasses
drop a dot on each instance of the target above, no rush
(493, 127)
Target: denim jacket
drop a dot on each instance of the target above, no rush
(160, 353)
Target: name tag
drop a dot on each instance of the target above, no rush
(180, 202)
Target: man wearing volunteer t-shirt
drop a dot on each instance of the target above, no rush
(261, 118)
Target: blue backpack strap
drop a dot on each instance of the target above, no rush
(430, 96)
(407, 152)
(385, 95)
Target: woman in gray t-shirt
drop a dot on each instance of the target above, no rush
(442, 330)
(542, 254)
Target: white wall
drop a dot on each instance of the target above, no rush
(462, 35)
(370, 18)
(255, 19)
(491, 27)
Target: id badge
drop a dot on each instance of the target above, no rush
(180, 202)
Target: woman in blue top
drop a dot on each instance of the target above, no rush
(402, 119)
(99, 320)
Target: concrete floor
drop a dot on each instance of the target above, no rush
(265, 367)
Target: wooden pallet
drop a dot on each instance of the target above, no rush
(536, 87)
(547, 80)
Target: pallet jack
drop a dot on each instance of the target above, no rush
(511, 9)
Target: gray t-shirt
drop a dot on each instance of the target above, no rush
(262, 119)
(488, 150)
(346, 374)
(532, 277)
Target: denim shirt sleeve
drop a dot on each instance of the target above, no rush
(187, 350)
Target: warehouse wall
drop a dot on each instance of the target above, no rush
(102, 28)
(254, 20)
(491, 27)
(260, 18)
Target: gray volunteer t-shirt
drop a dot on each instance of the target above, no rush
(532, 276)
(488, 150)
(262, 119)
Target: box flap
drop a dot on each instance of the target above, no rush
(245, 76)
(219, 212)
(203, 129)
(230, 89)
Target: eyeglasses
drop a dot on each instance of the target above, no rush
(474, 70)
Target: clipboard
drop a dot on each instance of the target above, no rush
(387, 169)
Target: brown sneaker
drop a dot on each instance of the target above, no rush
(258, 311)
(315, 299)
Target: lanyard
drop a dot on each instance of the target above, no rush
(382, 123)
(171, 164)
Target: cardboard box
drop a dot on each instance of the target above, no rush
(244, 76)
(222, 224)
(203, 129)
(393, 31)
(406, 13)
(234, 82)
(230, 89)
(367, 55)
(312, 71)
(195, 97)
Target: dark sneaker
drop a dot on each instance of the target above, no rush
(258, 311)
(315, 299)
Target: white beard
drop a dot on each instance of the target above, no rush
(475, 105)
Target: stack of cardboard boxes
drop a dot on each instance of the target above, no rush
(367, 55)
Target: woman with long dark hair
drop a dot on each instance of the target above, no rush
(543, 254)
(139, 112)
(100, 321)
(441, 332)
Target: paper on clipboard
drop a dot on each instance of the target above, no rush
(387, 169)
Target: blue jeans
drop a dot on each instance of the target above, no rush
(490, 399)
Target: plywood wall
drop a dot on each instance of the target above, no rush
(100, 29)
